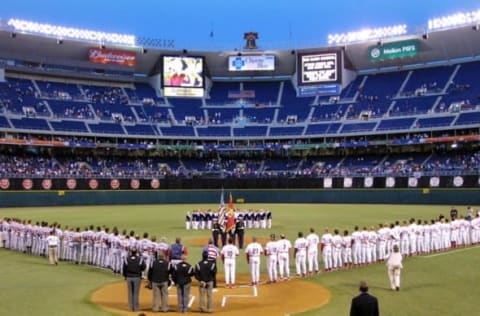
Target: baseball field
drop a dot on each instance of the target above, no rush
(436, 284)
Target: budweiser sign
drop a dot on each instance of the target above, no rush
(109, 56)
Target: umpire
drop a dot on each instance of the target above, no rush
(205, 272)
(133, 267)
(159, 278)
(182, 276)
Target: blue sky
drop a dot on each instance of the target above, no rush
(280, 23)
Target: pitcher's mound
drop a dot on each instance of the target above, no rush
(281, 298)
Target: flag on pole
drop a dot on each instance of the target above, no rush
(230, 215)
(222, 212)
(222, 199)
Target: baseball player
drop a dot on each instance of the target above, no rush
(347, 249)
(229, 255)
(356, 246)
(337, 242)
(312, 251)
(283, 247)
(253, 252)
(326, 246)
(271, 251)
(300, 254)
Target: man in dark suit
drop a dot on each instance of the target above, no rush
(364, 304)
(132, 272)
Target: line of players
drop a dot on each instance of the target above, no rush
(96, 246)
(106, 249)
(419, 237)
(204, 219)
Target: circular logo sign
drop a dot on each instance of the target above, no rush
(412, 182)
(71, 184)
(155, 184)
(458, 181)
(347, 182)
(4, 184)
(434, 182)
(390, 182)
(47, 184)
(368, 182)
(327, 182)
(375, 53)
(27, 184)
(114, 184)
(134, 184)
(93, 184)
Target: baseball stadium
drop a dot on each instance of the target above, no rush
(318, 164)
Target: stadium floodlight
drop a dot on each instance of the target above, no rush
(71, 33)
(367, 34)
(454, 20)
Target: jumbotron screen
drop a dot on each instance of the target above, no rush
(183, 76)
(319, 68)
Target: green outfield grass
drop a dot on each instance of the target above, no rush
(437, 285)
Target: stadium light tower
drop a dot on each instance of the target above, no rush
(367, 34)
(454, 20)
(71, 33)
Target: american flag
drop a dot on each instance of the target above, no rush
(222, 212)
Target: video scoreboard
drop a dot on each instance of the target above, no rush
(319, 73)
(183, 76)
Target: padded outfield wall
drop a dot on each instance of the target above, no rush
(61, 192)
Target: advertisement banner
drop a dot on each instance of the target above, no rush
(251, 63)
(110, 56)
(321, 90)
(241, 94)
(393, 50)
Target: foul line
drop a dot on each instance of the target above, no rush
(449, 252)
(255, 294)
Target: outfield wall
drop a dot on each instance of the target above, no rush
(451, 196)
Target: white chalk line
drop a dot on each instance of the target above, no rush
(225, 297)
(449, 252)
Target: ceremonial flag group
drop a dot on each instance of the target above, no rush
(226, 215)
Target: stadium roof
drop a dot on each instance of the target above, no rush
(439, 46)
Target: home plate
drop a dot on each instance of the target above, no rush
(253, 295)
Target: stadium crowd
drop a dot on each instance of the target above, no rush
(90, 166)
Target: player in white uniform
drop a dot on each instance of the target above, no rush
(229, 255)
(412, 235)
(326, 245)
(382, 242)
(445, 233)
(300, 253)
(271, 252)
(312, 251)
(253, 253)
(284, 246)
(347, 249)
(426, 237)
(420, 232)
(337, 242)
(364, 245)
(356, 246)
(404, 239)
(476, 229)
(372, 245)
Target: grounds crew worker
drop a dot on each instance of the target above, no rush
(205, 272)
(133, 267)
(159, 278)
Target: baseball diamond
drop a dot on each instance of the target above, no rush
(290, 297)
